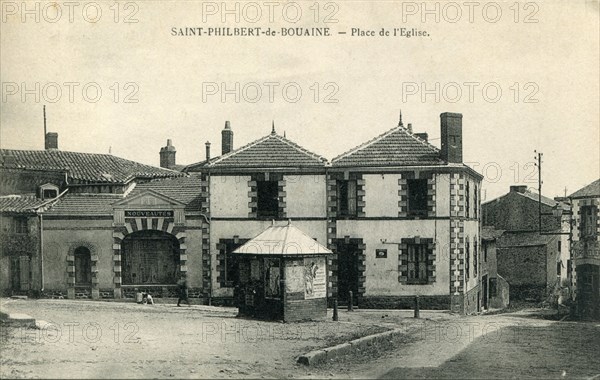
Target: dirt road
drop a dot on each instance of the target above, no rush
(107, 339)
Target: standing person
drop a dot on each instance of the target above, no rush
(183, 290)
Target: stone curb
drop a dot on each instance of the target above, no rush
(17, 319)
(360, 344)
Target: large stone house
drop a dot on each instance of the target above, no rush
(402, 217)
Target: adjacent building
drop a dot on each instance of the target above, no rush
(533, 252)
(585, 249)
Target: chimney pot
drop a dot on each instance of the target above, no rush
(451, 136)
(207, 150)
(226, 139)
(409, 127)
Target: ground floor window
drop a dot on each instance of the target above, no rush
(417, 263)
(83, 266)
(150, 257)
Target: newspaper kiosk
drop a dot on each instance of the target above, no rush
(282, 276)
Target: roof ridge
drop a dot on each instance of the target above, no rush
(300, 148)
(366, 143)
(238, 150)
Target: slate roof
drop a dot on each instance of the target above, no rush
(85, 204)
(271, 151)
(20, 203)
(396, 147)
(591, 190)
(87, 167)
(283, 240)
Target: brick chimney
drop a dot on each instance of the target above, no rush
(423, 136)
(451, 133)
(51, 141)
(167, 155)
(226, 139)
(518, 189)
(207, 150)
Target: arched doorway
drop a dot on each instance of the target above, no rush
(150, 257)
(83, 266)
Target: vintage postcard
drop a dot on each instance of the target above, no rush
(299, 189)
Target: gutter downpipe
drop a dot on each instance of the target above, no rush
(208, 201)
(41, 223)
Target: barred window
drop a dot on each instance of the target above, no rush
(417, 264)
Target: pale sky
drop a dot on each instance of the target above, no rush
(554, 61)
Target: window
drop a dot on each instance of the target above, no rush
(493, 287)
(417, 264)
(21, 226)
(230, 271)
(83, 266)
(475, 261)
(485, 250)
(417, 197)
(558, 268)
(346, 198)
(475, 202)
(467, 260)
(569, 267)
(588, 221)
(49, 194)
(267, 199)
(559, 246)
(467, 200)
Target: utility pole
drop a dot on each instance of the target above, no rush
(539, 166)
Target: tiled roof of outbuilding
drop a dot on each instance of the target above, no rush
(20, 203)
(85, 204)
(89, 167)
(271, 151)
(396, 147)
(186, 190)
(591, 190)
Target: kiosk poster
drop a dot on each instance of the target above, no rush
(294, 278)
(315, 282)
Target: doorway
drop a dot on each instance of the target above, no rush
(588, 284)
(20, 273)
(484, 291)
(348, 271)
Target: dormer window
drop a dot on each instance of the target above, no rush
(48, 191)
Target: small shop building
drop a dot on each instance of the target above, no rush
(282, 275)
